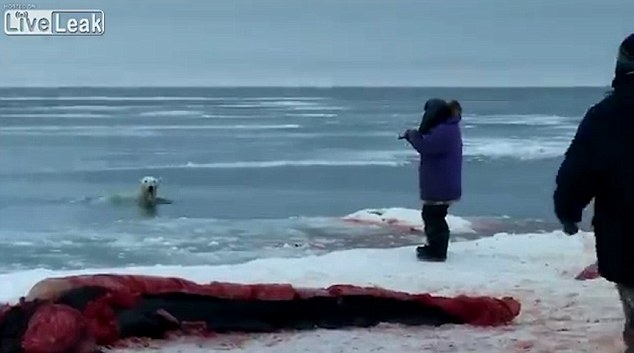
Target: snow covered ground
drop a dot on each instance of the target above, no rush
(559, 314)
(404, 218)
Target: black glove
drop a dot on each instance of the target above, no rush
(404, 135)
(570, 228)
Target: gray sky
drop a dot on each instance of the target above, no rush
(328, 43)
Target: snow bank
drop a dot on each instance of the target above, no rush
(559, 313)
(404, 218)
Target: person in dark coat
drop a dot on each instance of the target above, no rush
(598, 165)
(438, 140)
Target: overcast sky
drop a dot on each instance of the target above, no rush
(328, 43)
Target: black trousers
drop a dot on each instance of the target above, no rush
(436, 227)
(626, 294)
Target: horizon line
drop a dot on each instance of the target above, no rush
(309, 87)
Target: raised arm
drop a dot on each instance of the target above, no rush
(415, 138)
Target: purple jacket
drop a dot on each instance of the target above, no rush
(440, 170)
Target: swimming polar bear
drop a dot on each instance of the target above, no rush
(146, 197)
(148, 193)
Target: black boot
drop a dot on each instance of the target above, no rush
(437, 232)
(436, 248)
(430, 254)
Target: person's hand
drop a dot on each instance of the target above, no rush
(405, 135)
(570, 228)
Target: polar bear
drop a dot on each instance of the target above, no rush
(147, 196)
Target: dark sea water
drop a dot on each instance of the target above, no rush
(255, 172)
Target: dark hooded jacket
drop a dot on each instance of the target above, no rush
(599, 165)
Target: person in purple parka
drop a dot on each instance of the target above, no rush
(438, 140)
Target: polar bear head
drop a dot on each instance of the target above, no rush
(149, 189)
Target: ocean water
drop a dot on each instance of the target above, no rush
(256, 172)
